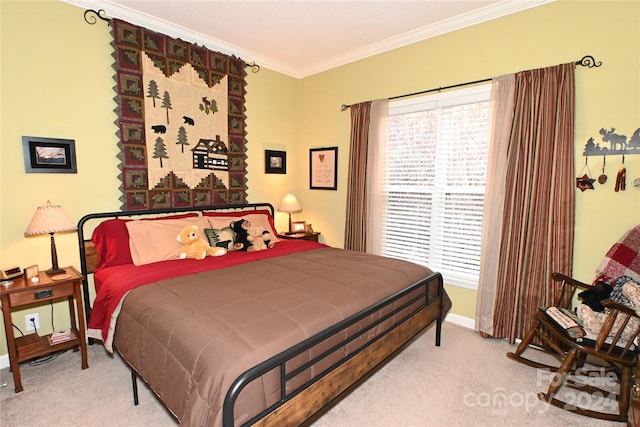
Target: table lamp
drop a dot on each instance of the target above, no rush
(50, 219)
(289, 204)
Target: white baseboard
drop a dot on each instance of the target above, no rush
(460, 320)
(4, 361)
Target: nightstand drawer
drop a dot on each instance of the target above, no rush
(41, 294)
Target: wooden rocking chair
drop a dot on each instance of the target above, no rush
(539, 336)
(620, 352)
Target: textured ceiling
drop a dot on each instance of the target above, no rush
(301, 38)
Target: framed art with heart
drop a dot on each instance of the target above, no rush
(323, 168)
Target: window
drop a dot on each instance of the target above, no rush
(434, 170)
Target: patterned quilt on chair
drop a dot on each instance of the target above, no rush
(623, 259)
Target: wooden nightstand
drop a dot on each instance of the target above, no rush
(47, 288)
(300, 236)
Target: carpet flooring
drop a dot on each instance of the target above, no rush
(468, 381)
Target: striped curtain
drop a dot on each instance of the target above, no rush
(356, 215)
(539, 205)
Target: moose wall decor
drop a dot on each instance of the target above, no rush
(617, 144)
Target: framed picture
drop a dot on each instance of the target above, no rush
(275, 161)
(299, 227)
(323, 168)
(31, 274)
(49, 155)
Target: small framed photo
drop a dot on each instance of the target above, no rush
(49, 155)
(275, 161)
(299, 227)
(323, 168)
(31, 274)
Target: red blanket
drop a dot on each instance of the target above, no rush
(113, 283)
(623, 259)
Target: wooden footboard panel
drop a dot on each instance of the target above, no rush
(302, 404)
(320, 396)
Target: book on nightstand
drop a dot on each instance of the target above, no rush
(61, 336)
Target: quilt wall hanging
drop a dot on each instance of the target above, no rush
(181, 122)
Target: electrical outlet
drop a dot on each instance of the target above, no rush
(36, 318)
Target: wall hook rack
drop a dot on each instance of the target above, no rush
(613, 143)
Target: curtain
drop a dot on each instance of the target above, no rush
(539, 201)
(368, 126)
(375, 187)
(355, 223)
(502, 107)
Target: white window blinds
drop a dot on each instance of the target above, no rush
(434, 170)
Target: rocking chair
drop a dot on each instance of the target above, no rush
(614, 345)
(618, 352)
(538, 334)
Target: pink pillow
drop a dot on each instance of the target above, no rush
(111, 238)
(153, 241)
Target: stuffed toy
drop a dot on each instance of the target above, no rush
(260, 239)
(268, 239)
(194, 246)
(241, 229)
(594, 296)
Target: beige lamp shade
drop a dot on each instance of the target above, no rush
(290, 204)
(49, 219)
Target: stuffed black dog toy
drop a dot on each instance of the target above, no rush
(594, 297)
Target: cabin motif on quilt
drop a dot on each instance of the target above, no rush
(181, 122)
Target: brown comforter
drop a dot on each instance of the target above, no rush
(190, 337)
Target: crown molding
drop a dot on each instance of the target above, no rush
(488, 13)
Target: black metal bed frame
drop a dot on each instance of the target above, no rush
(279, 361)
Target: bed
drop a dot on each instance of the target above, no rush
(271, 337)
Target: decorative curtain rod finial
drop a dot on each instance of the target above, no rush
(91, 16)
(345, 107)
(254, 67)
(589, 61)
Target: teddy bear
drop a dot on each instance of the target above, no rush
(194, 246)
(260, 239)
(241, 230)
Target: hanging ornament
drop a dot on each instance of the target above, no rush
(603, 178)
(585, 182)
(621, 179)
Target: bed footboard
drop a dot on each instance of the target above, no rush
(300, 404)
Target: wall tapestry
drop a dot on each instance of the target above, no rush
(181, 122)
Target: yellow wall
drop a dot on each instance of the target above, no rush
(56, 81)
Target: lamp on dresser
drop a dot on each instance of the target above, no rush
(290, 204)
(50, 219)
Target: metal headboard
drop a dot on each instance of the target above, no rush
(89, 255)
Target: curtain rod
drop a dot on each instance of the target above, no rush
(586, 61)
